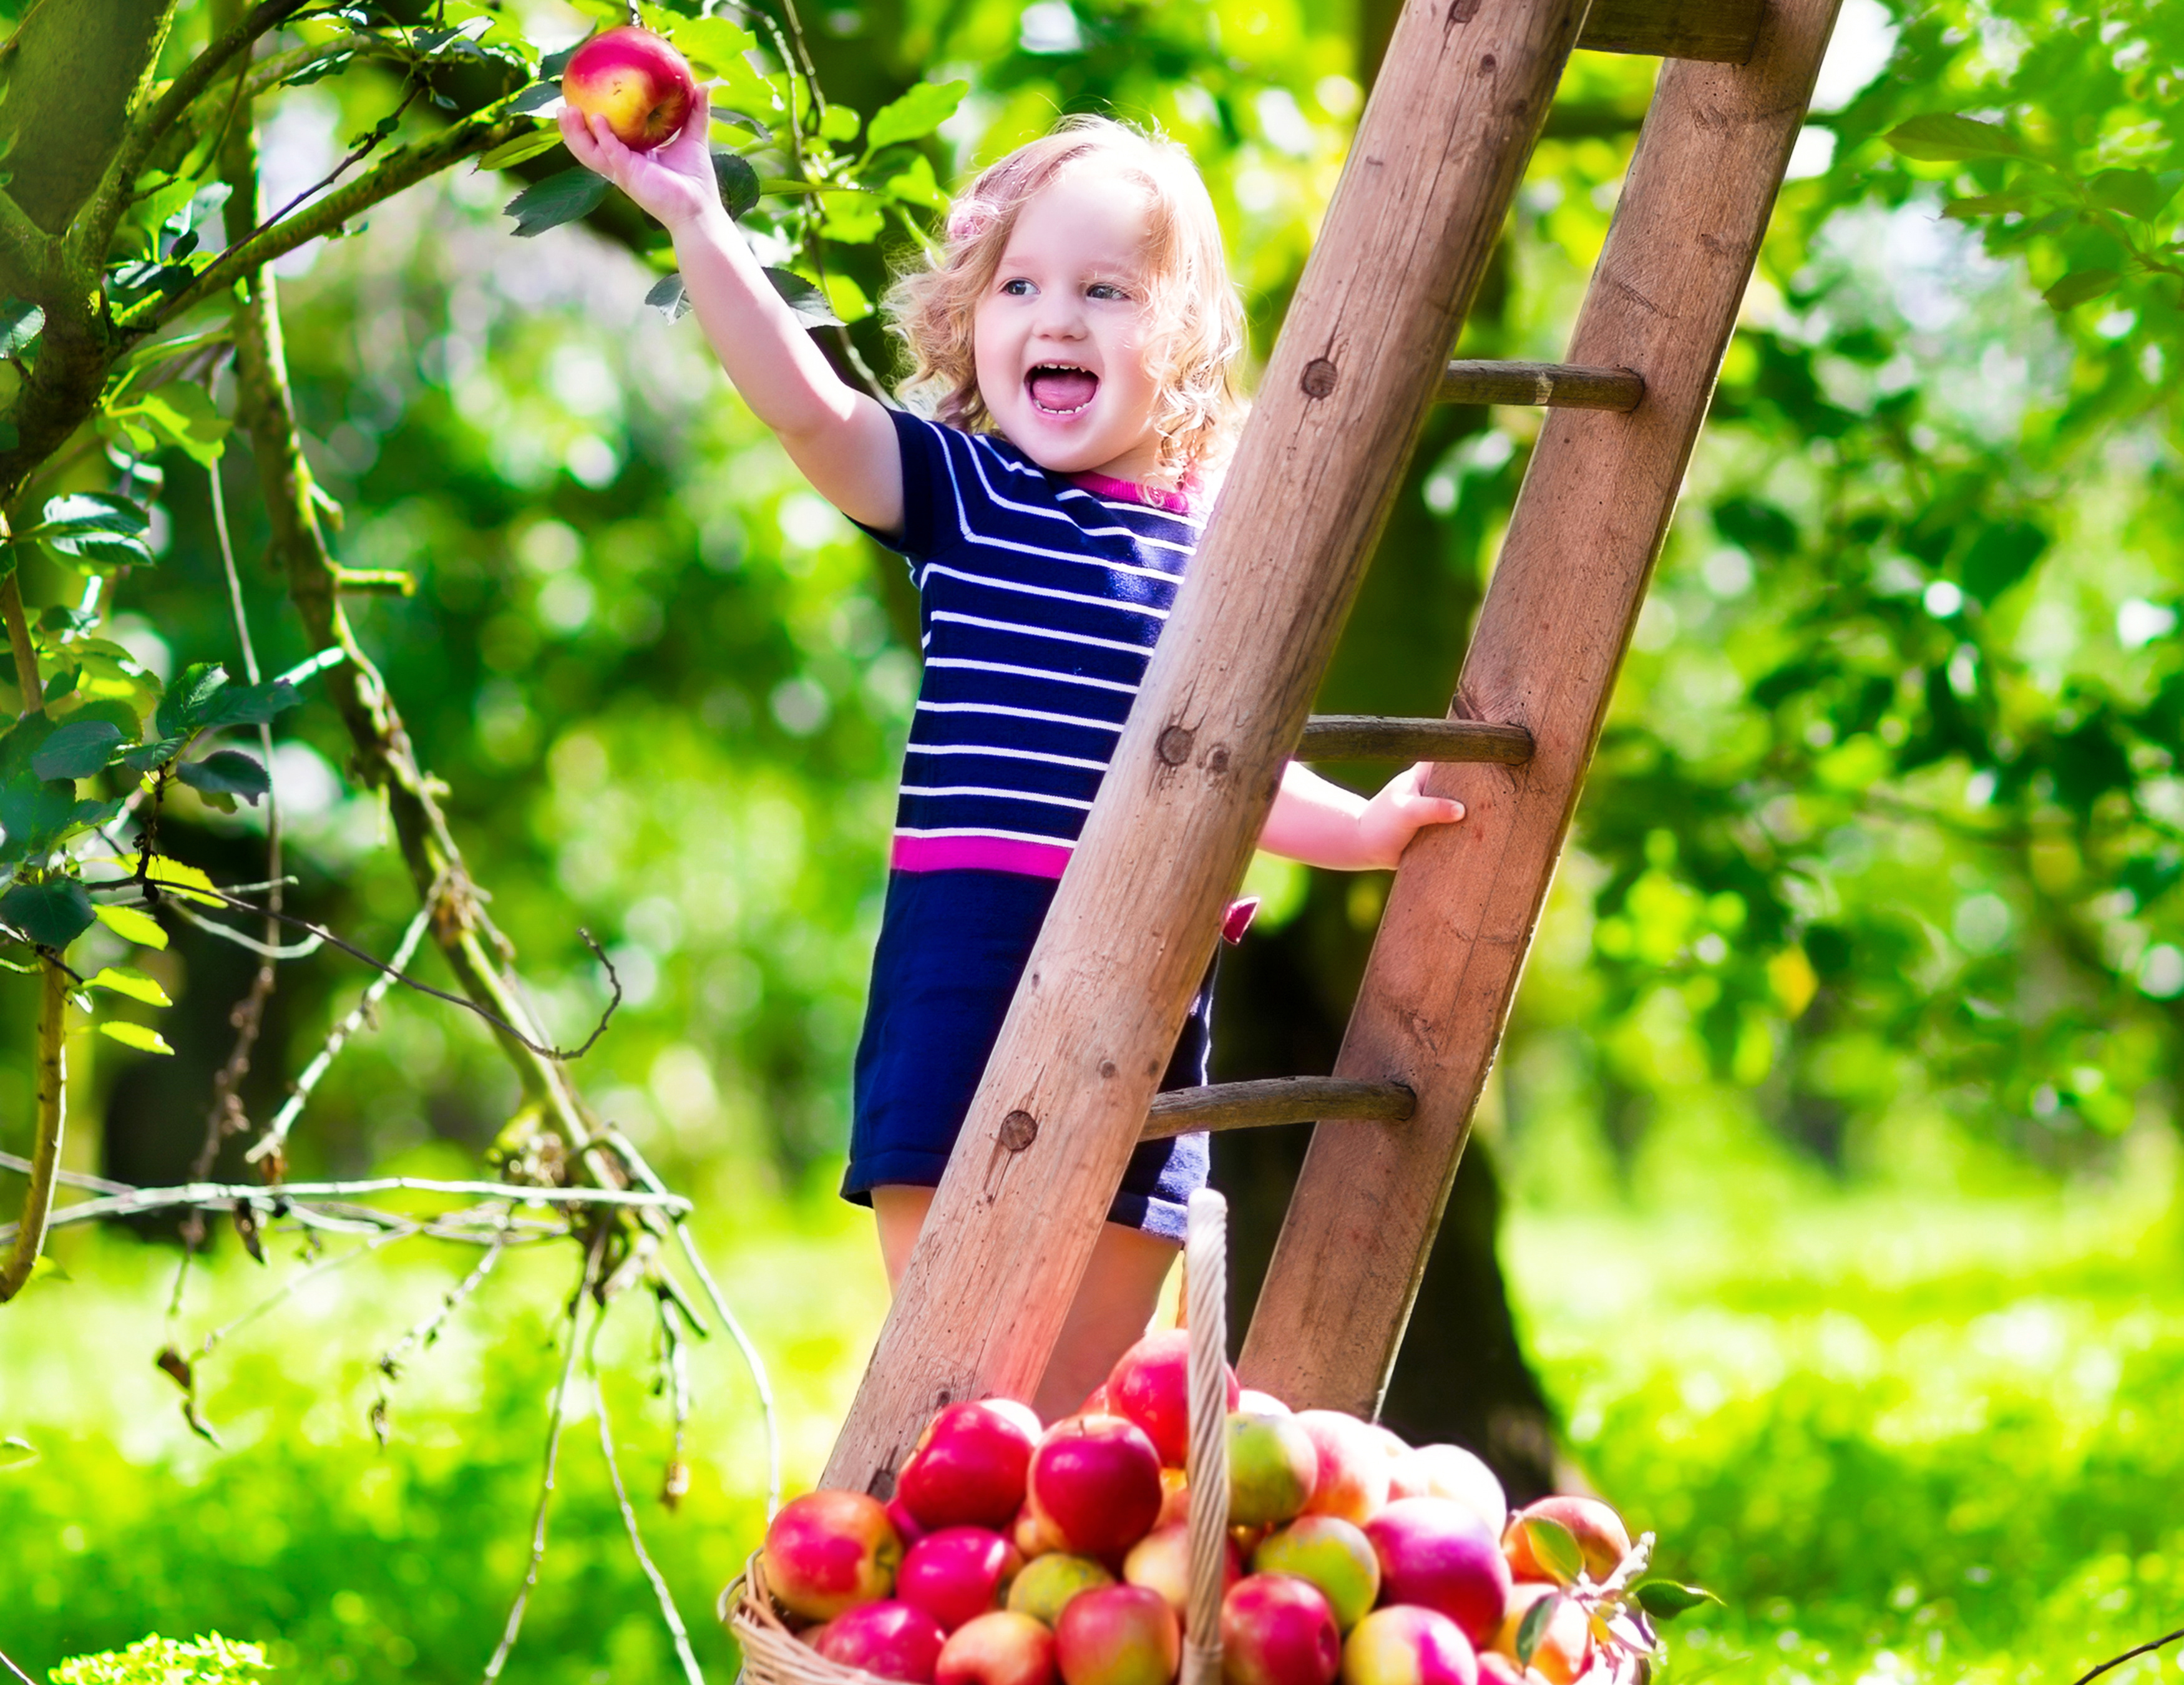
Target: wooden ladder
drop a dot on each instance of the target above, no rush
(1069, 1091)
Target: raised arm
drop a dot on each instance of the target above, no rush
(840, 438)
(1323, 824)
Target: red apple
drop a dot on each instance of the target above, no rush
(1565, 1649)
(1436, 1553)
(1161, 1562)
(1095, 1481)
(1333, 1555)
(1150, 1386)
(1272, 1468)
(1406, 1645)
(1002, 1648)
(955, 1575)
(907, 1527)
(1048, 1584)
(1602, 1538)
(828, 1551)
(1353, 1466)
(1096, 1403)
(968, 1468)
(1278, 1630)
(1451, 1471)
(890, 1638)
(1119, 1634)
(1175, 1497)
(636, 80)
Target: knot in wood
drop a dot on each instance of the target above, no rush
(1174, 745)
(1320, 376)
(1217, 758)
(1018, 1130)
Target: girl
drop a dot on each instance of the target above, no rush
(1074, 339)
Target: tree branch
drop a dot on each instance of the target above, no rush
(53, 1115)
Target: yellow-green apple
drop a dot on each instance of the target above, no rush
(1407, 1645)
(888, 1638)
(1565, 1649)
(1333, 1555)
(1002, 1648)
(1095, 1481)
(828, 1551)
(636, 80)
(1175, 1497)
(1255, 1403)
(1353, 1466)
(1046, 1585)
(1272, 1468)
(1119, 1634)
(1276, 1629)
(1436, 1553)
(1150, 1386)
(967, 1470)
(1602, 1538)
(1161, 1562)
(955, 1574)
(1451, 1471)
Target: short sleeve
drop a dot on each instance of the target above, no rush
(924, 446)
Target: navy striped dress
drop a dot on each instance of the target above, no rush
(1040, 596)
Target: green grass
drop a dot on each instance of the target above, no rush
(1905, 1437)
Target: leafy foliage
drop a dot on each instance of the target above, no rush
(209, 1661)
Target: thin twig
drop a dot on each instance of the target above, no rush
(2118, 1661)
(310, 1273)
(751, 1360)
(264, 950)
(668, 1612)
(9, 1662)
(67, 1179)
(425, 1333)
(276, 1137)
(554, 1418)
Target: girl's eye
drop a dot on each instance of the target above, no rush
(1018, 288)
(1106, 290)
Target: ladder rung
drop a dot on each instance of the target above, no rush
(1560, 386)
(1367, 737)
(1275, 1100)
(1720, 31)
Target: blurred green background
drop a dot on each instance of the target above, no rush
(1834, 1139)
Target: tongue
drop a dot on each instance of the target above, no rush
(1063, 388)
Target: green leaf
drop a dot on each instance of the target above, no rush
(1532, 1630)
(132, 924)
(249, 705)
(916, 115)
(189, 700)
(916, 185)
(14, 1452)
(522, 147)
(35, 815)
(140, 1036)
(2081, 286)
(669, 295)
(125, 979)
(536, 98)
(714, 46)
(739, 181)
(184, 415)
(227, 772)
(1555, 1546)
(21, 322)
(551, 67)
(2137, 193)
(149, 757)
(808, 303)
(76, 750)
(557, 199)
(79, 512)
(1665, 1599)
(840, 123)
(1944, 137)
(2000, 556)
(52, 915)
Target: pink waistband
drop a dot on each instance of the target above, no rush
(979, 854)
(1125, 491)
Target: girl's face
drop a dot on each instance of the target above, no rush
(1062, 337)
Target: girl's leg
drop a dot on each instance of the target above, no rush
(1115, 1300)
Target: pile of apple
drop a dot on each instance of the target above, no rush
(1012, 1554)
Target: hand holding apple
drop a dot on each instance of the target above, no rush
(674, 183)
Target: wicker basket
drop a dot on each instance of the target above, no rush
(774, 1656)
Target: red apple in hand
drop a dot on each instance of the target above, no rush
(1150, 1386)
(968, 1468)
(1119, 1634)
(1437, 1554)
(890, 1638)
(1000, 1649)
(1095, 1481)
(955, 1575)
(1406, 1645)
(828, 1551)
(636, 80)
(1278, 1630)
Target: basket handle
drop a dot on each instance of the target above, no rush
(1205, 1282)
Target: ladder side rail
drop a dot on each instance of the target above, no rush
(1589, 523)
(1422, 199)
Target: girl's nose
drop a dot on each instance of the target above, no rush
(1060, 317)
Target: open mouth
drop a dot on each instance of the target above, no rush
(1061, 388)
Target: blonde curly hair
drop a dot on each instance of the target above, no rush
(1198, 324)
